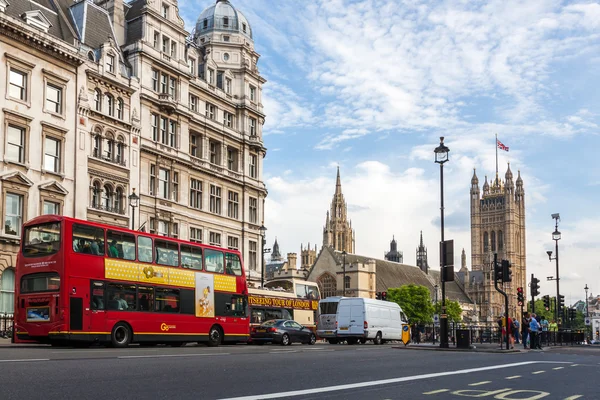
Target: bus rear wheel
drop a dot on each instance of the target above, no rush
(121, 335)
(215, 336)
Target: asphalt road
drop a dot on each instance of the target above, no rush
(295, 372)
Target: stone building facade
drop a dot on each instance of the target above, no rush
(103, 98)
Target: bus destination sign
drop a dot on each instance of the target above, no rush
(298, 304)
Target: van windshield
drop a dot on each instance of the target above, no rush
(328, 308)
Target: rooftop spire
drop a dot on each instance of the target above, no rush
(338, 182)
(421, 244)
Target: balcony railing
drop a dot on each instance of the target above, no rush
(112, 209)
(119, 160)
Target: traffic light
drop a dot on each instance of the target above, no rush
(572, 314)
(378, 296)
(520, 296)
(498, 272)
(383, 295)
(535, 286)
(506, 271)
(561, 302)
(547, 302)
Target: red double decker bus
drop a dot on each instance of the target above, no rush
(83, 282)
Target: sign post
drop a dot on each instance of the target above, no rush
(405, 334)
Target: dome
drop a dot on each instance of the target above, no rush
(223, 17)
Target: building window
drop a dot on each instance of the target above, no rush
(52, 154)
(163, 183)
(172, 87)
(120, 156)
(486, 242)
(15, 144)
(175, 183)
(192, 66)
(50, 207)
(172, 133)
(252, 255)
(54, 98)
(253, 166)
(118, 201)
(215, 199)
(210, 111)
(227, 119)
(7, 292)
(107, 198)
(196, 193)
(232, 205)
(195, 235)
(215, 152)
(97, 100)
(220, 79)
(252, 93)
(18, 84)
(168, 130)
(193, 103)
(347, 282)
(225, 39)
(214, 239)
(225, 22)
(110, 103)
(156, 40)
(163, 130)
(97, 143)
(163, 228)
(96, 193)
(211, 76)
(155, 77)
(500, 241)
(165, 45)
(195, 141)
(327, 285)
(493, 240)
(14, 214)
(252, 126)
(110, 64)
(173, 49)
(253, 204)
(120, 108)
(228, 85)
(165, 11)
(232, 159)
(154, 123)
(243, 27)
(233, 243)
(152, 179)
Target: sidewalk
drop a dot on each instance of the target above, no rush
(475, 347)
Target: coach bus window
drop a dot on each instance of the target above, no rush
(42, 282)
(145, 298)
(191, 257)
(121, 297)
(306, 292)
(120, 245)
(41, 240)
(88, 239)
(213, 260)
(233, 266)
(144, 249)
(167, 253)
(97, 299)
(167, 300)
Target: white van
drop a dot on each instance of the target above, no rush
(368, 319)
(327, 321)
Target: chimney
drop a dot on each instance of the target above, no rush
(292, 257)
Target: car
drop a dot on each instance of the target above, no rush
(282, 331)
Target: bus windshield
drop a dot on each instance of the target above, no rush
(41, 240)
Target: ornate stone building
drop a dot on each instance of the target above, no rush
(394, 255)
(104, 97)
(307, 256)
(422, 261)
(337, 232)
(497, 226)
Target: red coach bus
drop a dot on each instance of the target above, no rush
(83, 282)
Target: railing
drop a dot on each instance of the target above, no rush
(119, 160)
(102, 207)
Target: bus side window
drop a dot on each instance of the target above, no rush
(191, 257)
(233, 266)
(213, 260)
(88, 239)
(167, 253)
(121, 245)
(97, 298)
(144, 249)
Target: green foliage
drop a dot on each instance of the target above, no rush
(415, 301)
(453, 310)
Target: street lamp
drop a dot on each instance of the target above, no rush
(263, 235)
(134, 201)
(556, 237)
(441, 157)
(344, 269)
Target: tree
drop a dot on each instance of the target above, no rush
(415, 301)
(453, 310)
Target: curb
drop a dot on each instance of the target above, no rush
(511, 351)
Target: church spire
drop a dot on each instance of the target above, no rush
(338, 232)
(338, 183)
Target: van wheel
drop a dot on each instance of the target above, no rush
(332, 341)
(121, 335)
(378, 339)
(285, 340)
(214, 336)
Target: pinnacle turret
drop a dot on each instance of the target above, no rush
(474, 179)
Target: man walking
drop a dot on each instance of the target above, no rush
(534, 327)
(545, 324)
(525, 330)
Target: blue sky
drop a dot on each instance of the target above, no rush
(370, 85)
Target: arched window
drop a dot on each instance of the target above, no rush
(97, 145)
(493, 235)
(107, 198)
(120, 108)
(110, 103)
(119, 201)
(7, 292)
(96, 195)
(327, 285)
(97, 100)
(500, 241)
(120, 152)
(486, 242)
(109, 150)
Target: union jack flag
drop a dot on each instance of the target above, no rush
(501, 145)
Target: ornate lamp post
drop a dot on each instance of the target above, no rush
(441, 157)
(134, 201)
(344, 270)
(556, 237)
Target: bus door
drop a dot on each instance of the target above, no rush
(78, 290)
(95, 309)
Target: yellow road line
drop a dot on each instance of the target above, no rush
(480, 383)
(437, 391)
(513, 377)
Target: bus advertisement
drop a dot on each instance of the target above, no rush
(83, 282)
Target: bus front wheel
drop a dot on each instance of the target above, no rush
(215, 336)
(121, 335)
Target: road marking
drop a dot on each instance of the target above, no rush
(174, 355)
(437, 391)
(537, 372)
(557, 368)
(480, 383)
(283, 351)
(574, 365)
(577, 396)
(513, 377)
(26, 360)
(336, 388)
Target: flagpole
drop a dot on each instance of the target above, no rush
(496, 158)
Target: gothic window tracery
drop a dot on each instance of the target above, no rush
(327, 285)
(493, 240)
(500, 240)
(486, 242)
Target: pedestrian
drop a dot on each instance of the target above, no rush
(553, 330)
(516, 330)
(525, 330)
(534, 328)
